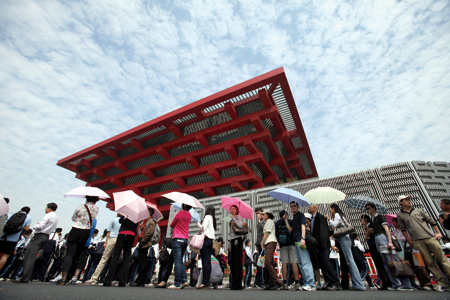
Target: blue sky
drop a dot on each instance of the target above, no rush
(371, 79)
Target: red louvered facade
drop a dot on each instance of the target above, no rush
(245, 137)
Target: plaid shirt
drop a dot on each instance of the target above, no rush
(260, 231)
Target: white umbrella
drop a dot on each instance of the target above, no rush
(4, 207)
(324, 195)
(183, 198)
(131, 206)
(84, 191)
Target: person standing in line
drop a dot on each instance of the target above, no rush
(338, 217)
(269, 243)
(180, 225)
(153, 255)
(82, 217)
(8, 241)
(236, 250)
(319, 230)
(283, 228)
(4, 217)
(208, 227)
(125, 240)
(110, 242)
(384, 243)
(334, 255)
(42, 231)
(413, 223)
(147, 229)
(260, 279)
(360, 260)
(376, 257)
(248, 261)
(445, 206)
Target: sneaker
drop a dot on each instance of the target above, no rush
(59, 277)
(184, 285)
(220, 286)
(2, 279)
(79, 282)
(391, 289)
(93, 282)
(284, 287)
(373, 288)
(174, 287)
(309, 288)
(73, 281)
(292, 287)
(405, 289)
(248, 288)
(149, 285)
(438, 288)
(376, 285)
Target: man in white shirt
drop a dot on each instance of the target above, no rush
(42, 230)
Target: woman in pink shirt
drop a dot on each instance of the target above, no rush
(180, 225)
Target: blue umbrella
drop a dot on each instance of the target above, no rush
(194, 214)
(289, 195)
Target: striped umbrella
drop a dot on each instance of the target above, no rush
(359, 203)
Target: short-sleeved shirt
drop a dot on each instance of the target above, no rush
(277, 225)
(297, 221)
(114, 227)
(377, 222)
(15, 237)
(270, 229)
(416, 222)
(260, 231)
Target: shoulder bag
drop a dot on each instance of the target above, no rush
(400, 269)
(343, 229)
(240, 231)
(197, 241)
(396, 244)
(89, 213)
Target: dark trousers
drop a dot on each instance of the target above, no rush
(205, 253)
(124, 242)
(151, 263)
(75, 255)
(40, 267)
(327, 269)
(236, 263)
(133, 270)
(36, 243)
(378, 261)
(165, 270)
(142, 262)
(95, 260)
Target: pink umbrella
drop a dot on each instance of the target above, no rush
(157, 215)
(389, 218)
(245, 210)
(131, 206)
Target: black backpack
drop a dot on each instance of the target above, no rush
(14, 223)
(283, 235)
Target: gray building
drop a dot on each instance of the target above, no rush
(426, 182)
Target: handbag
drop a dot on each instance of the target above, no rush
(396, 244)
(343, 229)
(311, 242)
(197, 241)
(261, 259)
(240, 231)
(400, 269)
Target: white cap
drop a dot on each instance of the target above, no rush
(401, 197)
(308, 215)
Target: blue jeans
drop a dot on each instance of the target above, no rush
(305, 266)
(248, 274)
(178, 248)
(346, 245)
(382, 240)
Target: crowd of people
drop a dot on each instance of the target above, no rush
(127, 252)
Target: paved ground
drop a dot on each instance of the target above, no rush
(37, 290)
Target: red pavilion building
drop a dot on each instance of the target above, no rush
(245, 137)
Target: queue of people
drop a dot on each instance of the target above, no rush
(127, 252)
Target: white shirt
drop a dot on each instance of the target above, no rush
(337, 220)
(248, 251)
(360, 246)
(156, 250)
(270, 229)
(48, 224)
(208, 227)
(333, 254)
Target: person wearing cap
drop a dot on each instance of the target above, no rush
(415, 222)
(287, 249)
(445, 206)
(269, 243)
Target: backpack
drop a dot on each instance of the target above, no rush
(283, 235)
(14, 223)
(156, 234)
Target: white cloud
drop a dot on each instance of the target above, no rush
(371, 79)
